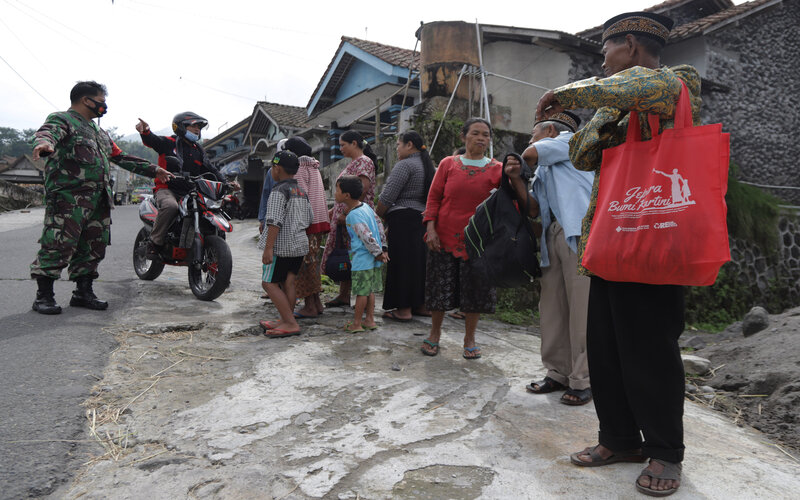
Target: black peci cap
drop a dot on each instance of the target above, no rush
(647, 24)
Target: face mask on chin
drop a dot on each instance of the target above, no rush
(99, 109)
(191, 136)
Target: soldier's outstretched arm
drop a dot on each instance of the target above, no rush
(49, 135)
(137, 165)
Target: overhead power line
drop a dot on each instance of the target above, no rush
(27, 83)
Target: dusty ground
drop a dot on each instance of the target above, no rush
(759, 377)
(195, 404)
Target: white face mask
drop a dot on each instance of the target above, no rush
(192, 136)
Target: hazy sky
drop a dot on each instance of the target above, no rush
(217, 58)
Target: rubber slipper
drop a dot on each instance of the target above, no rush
(370, 328)
(457, 315)
(671, 471)
(583, 395)
(267, 325)
(545, 386)
(276, 333)
(434, 346)
(337, 303)
(348, 328)
(615, 457)
(304, 316)
(393, 316)
(474, 352)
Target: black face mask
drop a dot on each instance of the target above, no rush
(100, 108)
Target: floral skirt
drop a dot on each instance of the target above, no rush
(308, 281)
(452, 283)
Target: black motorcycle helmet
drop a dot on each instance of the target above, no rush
(183, 120)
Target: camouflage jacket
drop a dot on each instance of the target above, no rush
(82, 151)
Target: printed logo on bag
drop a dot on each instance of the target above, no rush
(652, 200)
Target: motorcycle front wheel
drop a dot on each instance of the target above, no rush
(145, 269)
(214, 274)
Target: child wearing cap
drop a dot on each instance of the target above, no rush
(284, 242)
(366, 252)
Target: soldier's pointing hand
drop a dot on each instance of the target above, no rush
(142, 127)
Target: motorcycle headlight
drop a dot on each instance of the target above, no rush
(212, 204)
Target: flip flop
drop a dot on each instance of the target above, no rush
(615, 457)
(337, 303)
(393, 316)
(434, 346)
(370, 328)
(474, 352)
(423, 314)
(545, 386)
(267, 325)
(348, 328)
(457, 315)
(277, 333)
(303, 316)
(583, 395)
(671, 471)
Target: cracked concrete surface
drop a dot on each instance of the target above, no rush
(204, 407)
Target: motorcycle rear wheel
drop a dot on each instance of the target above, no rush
(145, 269)
(214, 275)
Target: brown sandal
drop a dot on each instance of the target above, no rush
(615, 457)
(671, 471)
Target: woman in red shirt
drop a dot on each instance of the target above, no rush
(461, 183)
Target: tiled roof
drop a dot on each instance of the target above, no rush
(660, 8)
(390, 54)
(284, 114)
(694, 28)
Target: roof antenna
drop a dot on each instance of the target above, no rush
(365, 32)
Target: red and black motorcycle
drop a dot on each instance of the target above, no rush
(196, 238)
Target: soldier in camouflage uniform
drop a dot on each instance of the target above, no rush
(78, 196)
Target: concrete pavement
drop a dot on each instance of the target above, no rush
(200, 407)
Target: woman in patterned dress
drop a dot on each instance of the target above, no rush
(352, 145)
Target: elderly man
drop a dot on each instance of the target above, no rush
(633, 328)
(77, 222)
(562, 193)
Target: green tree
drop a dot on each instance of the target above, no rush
(15, 142)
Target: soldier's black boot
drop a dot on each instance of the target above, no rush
(84, 296)
(45, 302)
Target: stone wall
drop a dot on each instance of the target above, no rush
(18, 196)
(756, 64)
(585, 66)
(781, 271)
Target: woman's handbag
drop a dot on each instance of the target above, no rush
(661, 213)
(337, 267)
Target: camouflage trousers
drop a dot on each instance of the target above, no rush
(77, 229)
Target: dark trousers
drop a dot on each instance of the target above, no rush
(635, 366)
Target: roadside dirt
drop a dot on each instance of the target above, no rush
(757, 378)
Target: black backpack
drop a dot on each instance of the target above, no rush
(499, 238)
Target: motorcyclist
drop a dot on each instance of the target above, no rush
(191, 158)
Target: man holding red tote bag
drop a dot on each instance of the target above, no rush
(633, 326)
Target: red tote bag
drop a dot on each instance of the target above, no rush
(661, 213)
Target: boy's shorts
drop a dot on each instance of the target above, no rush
(367, 281)
(280, 269)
